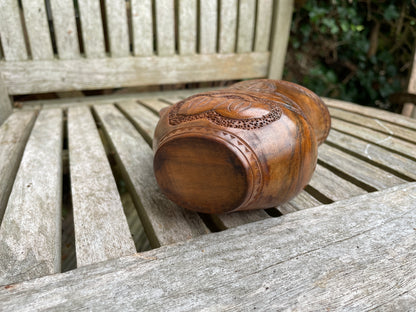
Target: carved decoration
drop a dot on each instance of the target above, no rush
(247, 111)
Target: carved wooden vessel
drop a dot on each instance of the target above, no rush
(250, 146)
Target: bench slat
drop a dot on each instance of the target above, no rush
(246, 22)
(154, 105)
(101, 229)
(165, 27)
(85, 74)
(30, 234)
(357, 168)
(165, 223)
(66, 34)
(332, 186)
(92, 28)
(374, 153)
(142, 27)
(11, 31)
(228, 26)
(378, 138)
(372, 112)
(137, 111)
(13, 136)
(303, 200)
(117, 29)
(280, 37)
(187, 27)
(208, 26)
(355, 254)
(37, 29)
(263, 25)
(375, 124)
(234, 219)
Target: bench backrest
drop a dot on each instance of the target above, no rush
(63, 45)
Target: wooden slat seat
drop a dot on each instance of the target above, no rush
(351, 255)
(78, 193)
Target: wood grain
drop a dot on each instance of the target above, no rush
(142, 27)
(374, 153)
(372, 112)
(30, 234)
(341, 257)
(164, 222)
(65, 29)
(92, 28)
(13, 137)
(357, 168)
(5, 104)
(208, 20)
(280, 36)
(385, 140)
(165, 27)
(117, 28)
(263, 25)
(101, 229)
(84, 74)
(187, 27)
(246, 23)
(375, 124)
(37, 27)
(332, 186)
(228, 26)
(11, 32)
(136, 111)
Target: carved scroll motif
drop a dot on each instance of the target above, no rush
(227, 109)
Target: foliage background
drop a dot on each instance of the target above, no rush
(358, 51)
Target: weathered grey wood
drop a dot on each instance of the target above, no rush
(372, 112)
(187, 26)
(84, 74)
(92, 28)
(30, 234)
(13, 136)
(117, 29)
(263, 25)
(357, 168)
(137, 111)
(332, 186)
(303, 201)
(280, 35)
(354, 255)
(101, 229)
(165, 223)
(11, 31)
(374, 153)
(155, 105)
(165, 27)
(376, 137)
(208, 26)
(5, 104)
(37, 29)
(228, 26)
(234, 219)
(142, 26)
(65, 29)
(246, 23)
(375, 124)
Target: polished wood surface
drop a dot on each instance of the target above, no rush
(250, 146)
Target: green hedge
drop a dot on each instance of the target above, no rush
(358, 51)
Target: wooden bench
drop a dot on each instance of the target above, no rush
(354, 248)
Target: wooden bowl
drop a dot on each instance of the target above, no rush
(250, 146)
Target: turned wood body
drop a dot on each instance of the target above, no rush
(250, 146)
